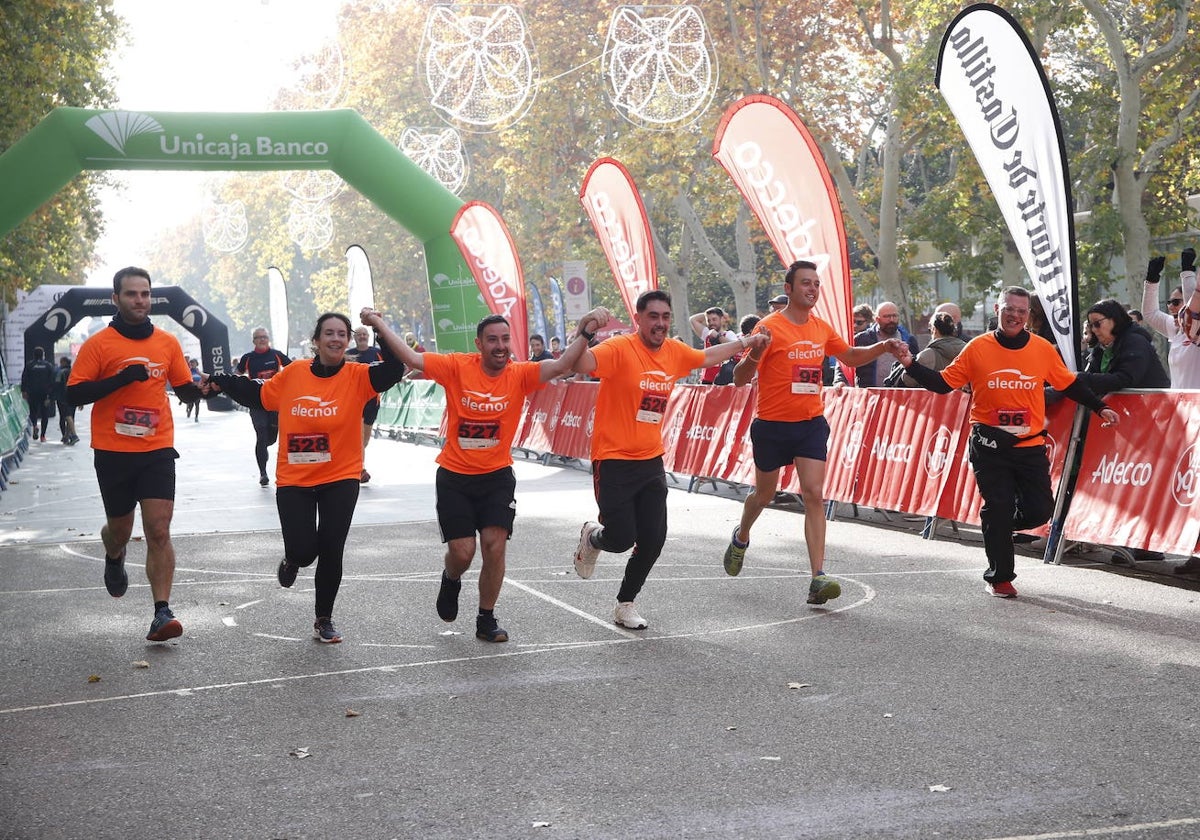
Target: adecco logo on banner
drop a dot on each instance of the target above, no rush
(854, 440)
(938, 453)
(1186, 483)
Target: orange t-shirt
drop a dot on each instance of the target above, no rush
(1006, 385)
(482, 412)
(320, 423)
(635, 384)
(789, 374)
(135, 417)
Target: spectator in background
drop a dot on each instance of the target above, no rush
(37, 381)
(1183, 358)
(537, 349)
(1038, 323)
(1136, 315)
(709, 326)
(66, 409)
(194, 366)
(955, 314)
(887, 326)
(862, 317)
(775, 304)
(411, 341)
(941, 351)
(1121, 354)
(556, 347)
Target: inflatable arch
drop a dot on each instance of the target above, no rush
(81, 302)
(70, 140)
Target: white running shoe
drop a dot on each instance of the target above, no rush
(626, 615)
(586, 553)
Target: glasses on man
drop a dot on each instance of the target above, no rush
(1096, 324)
(1175, 302)
(859, 323)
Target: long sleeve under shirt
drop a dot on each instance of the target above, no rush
(1006, 377)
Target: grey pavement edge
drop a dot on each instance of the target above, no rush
(914, 706)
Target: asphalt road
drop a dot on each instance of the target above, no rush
(915, 706)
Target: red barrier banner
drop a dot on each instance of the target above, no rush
(731, 452)
(541, 412)
(1140, 489)
(851, 415)
(705, 429)
(907, 462)
(677, 419)
(576, 416)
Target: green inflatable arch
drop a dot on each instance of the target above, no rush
(70, 140)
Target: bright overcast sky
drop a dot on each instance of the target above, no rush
(216, 55)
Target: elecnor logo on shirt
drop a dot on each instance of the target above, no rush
(484, 402)
(805, 351)
(1011, 379)
(656, 380)
(157, 370)
(316, 407)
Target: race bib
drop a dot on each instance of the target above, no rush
(651, 408)
(806, 380)
(133, 421)
(1015, 421)
(478, 434)
(308, 448)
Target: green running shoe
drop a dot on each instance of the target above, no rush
(823, 588)
(734, 555)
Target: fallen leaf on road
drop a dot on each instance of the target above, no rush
(795, 685)
(141, 663)
(94, 678)
(351, 713)
(299, 752)
(938, 788)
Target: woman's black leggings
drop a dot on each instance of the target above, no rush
(315, 523)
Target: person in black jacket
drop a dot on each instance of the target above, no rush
(37, 381)
(1121, 353)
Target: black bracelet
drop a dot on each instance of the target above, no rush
(589, 336)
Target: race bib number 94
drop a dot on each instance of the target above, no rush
(133, 421)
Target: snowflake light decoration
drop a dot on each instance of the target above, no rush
(310, 224)
(661, 65)
(479, 64)
(311, 184)
(224, 226)
(440, 152)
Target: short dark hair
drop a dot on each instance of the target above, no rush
(715, 310)
(39, 353)
(537, 337)
(317, 330)
(796, 266)
(943, 324)
(748, 323)
(653, 294)
(128, 271)
(487, 321)
(1015, 291)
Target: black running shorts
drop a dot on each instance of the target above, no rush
(777, 443)
(125, 478)
(466, 504)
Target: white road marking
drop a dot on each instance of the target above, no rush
(1107, 831)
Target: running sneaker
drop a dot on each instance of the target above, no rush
(626, 615)
(823, 588)
(286, 573)
(364, 478)
(263, 480)
(164, 626)
(447, 599)
(734, 555)
(116, 579)
(325, 632)
(488, 629)
(1001, 590)
(585, 552)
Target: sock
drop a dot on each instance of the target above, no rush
(108, 559)
(486, 613)
(160, 605)
(738, 543)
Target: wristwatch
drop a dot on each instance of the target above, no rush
(587, 335)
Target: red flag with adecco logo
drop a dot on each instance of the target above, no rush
(777, 166)
(1136, 489)
(488, 249)
(612, 202)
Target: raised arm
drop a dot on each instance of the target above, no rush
(585, 331)
(400, 349)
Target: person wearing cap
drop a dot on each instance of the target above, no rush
(778, 302)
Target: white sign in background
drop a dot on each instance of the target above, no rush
(577, 296)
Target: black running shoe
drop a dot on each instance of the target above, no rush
(116, 579)
(286, 573)
(165, 626)
(447, 599)
(488, 629)
(325, 632)
(263, 481)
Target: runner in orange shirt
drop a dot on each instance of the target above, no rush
(320, 404)
(124, 370)
(1006, 369)
(789, 425)
(485, 394)
(637, 372)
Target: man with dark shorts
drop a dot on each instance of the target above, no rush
(637, 372)
(789, 426)
(485, 395)
(124, 370)
(263, 362)
(365, 353)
